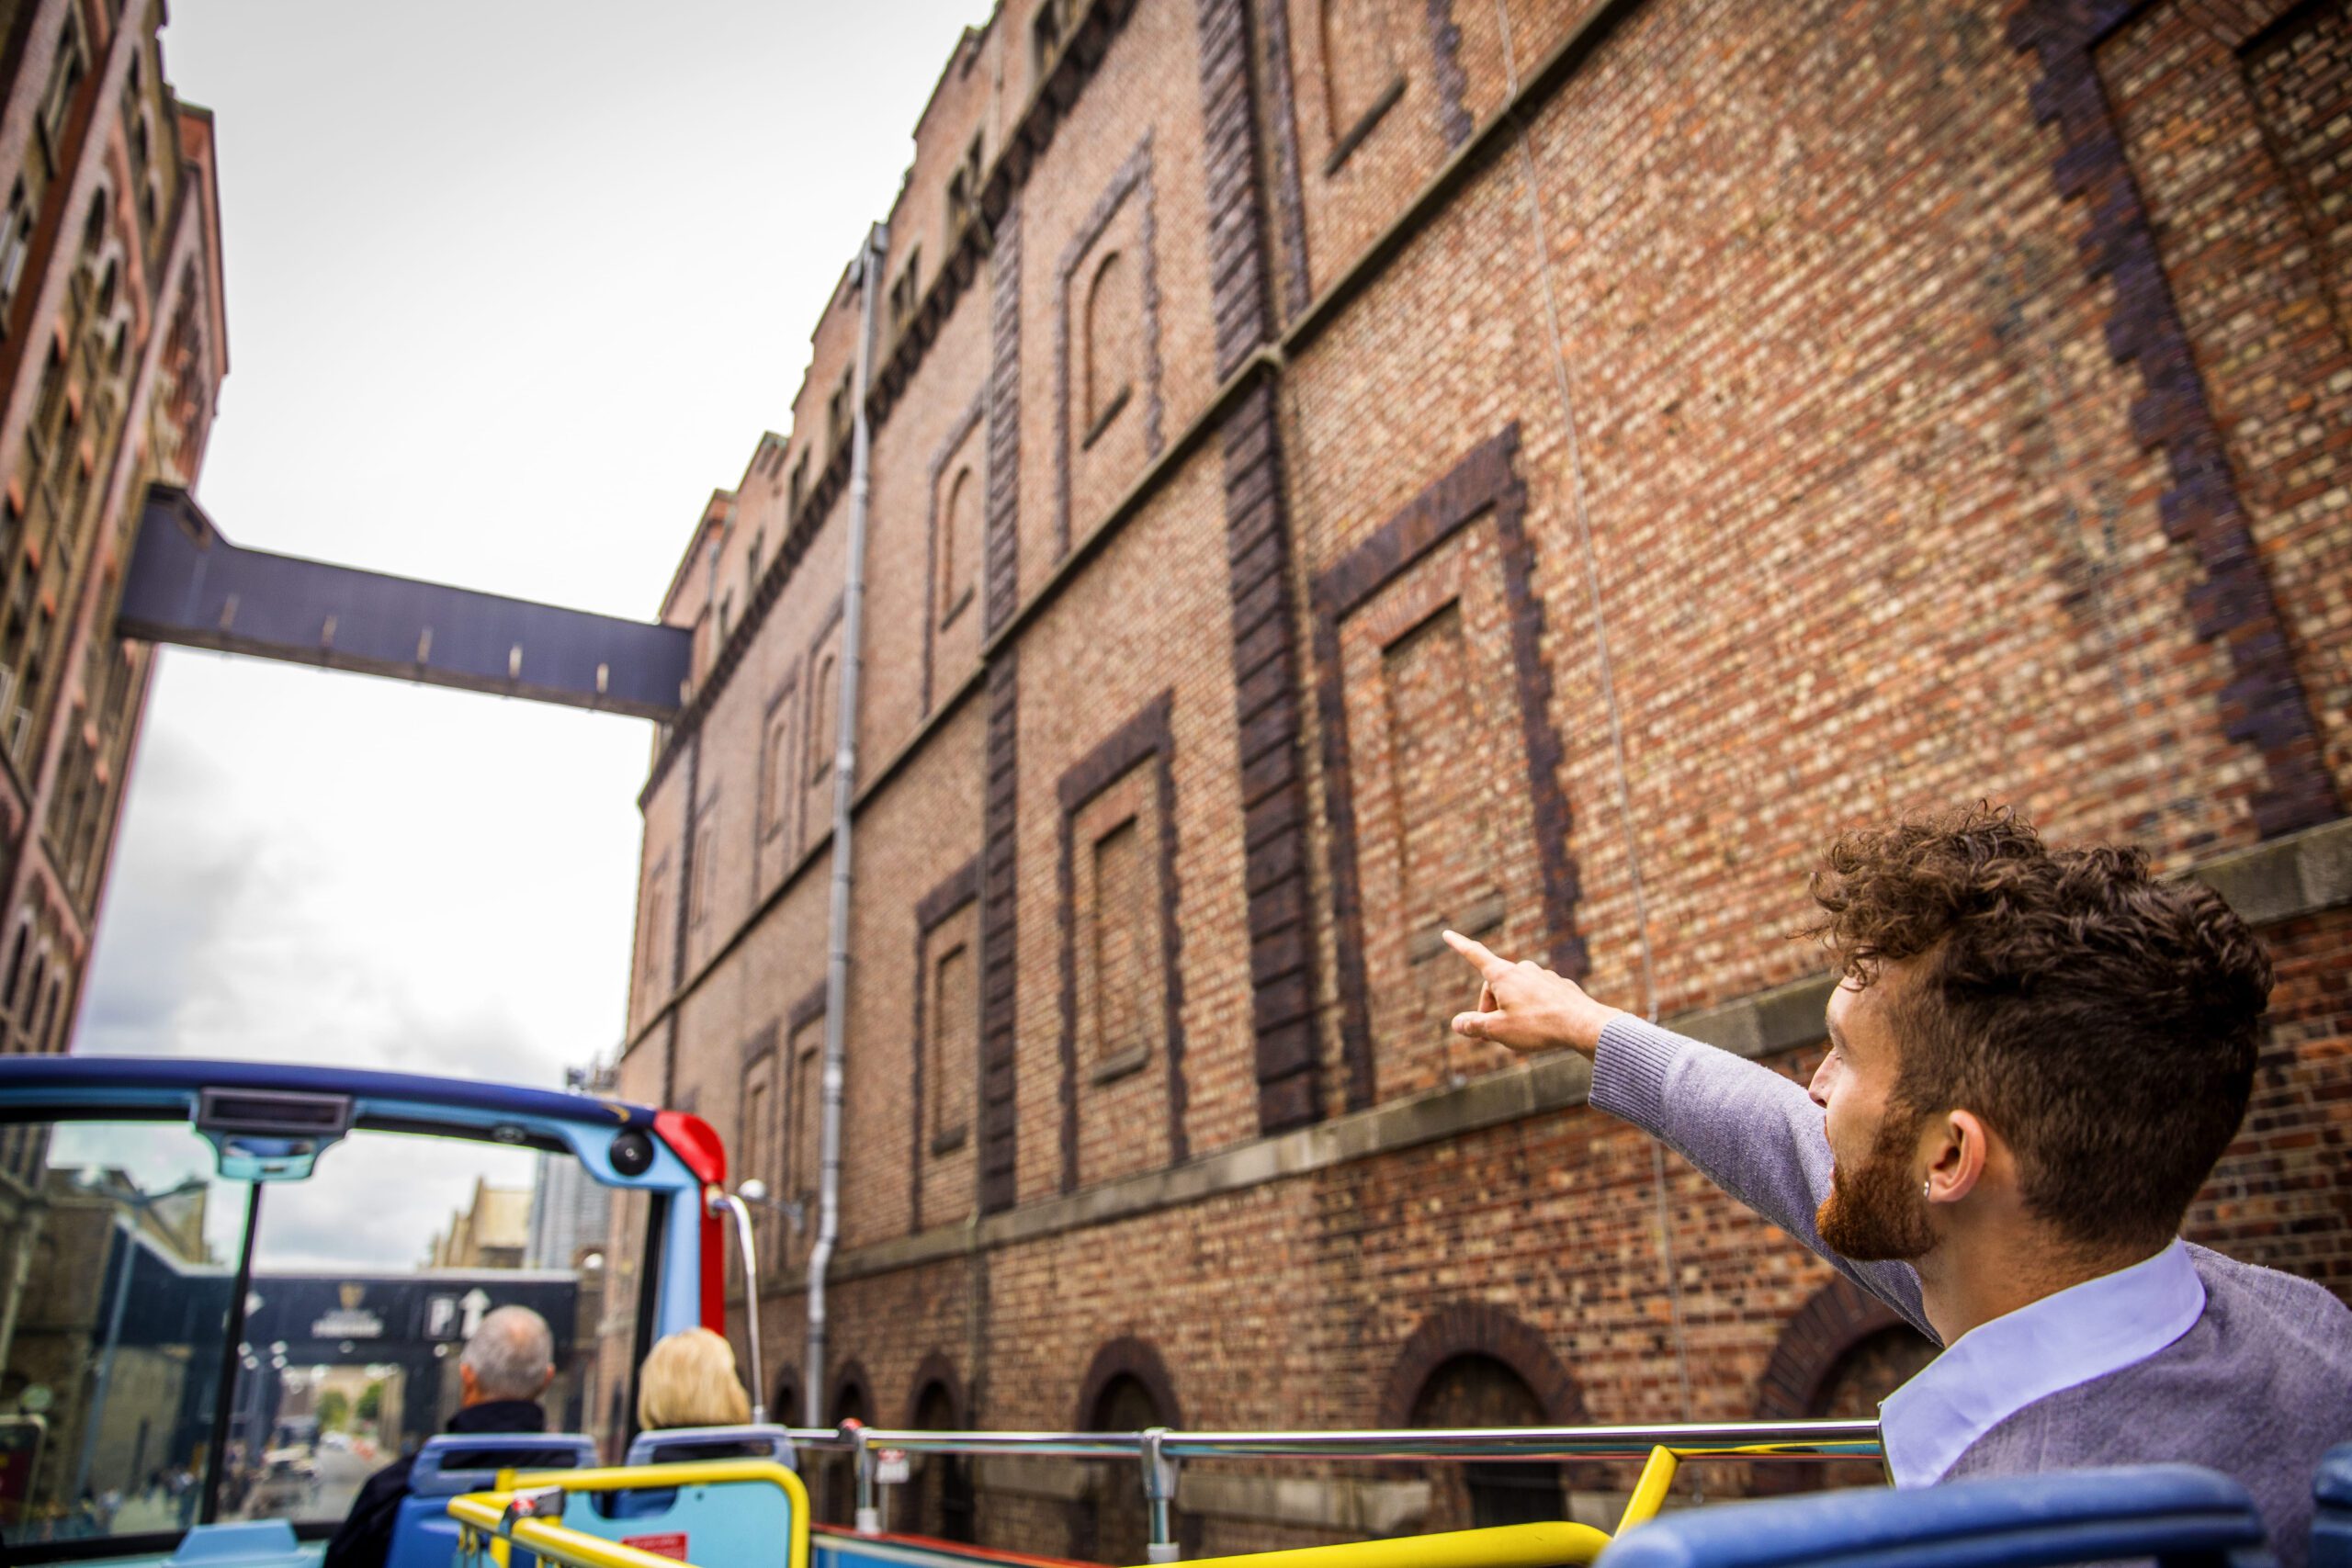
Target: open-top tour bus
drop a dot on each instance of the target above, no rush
(176, 1386)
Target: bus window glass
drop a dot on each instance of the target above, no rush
(119, 1250)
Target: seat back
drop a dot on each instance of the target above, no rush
(423, 1536)
(734, 1512)
(2331, 1511)
(675, 1443)
(2173, 1513)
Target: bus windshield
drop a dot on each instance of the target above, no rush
(141, 1393)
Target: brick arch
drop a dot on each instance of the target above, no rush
(851, 1379)
(1128, 1356)
(1838, 1317)
(937, 1369)
(788, 1407)
(1479, 1328)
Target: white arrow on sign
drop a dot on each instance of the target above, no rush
(476, 1301)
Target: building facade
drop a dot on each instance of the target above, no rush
(1342, 468)
(113, 345)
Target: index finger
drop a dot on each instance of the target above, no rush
(1476, 954)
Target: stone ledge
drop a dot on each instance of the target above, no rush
(1337, 1505)
(2301, 875)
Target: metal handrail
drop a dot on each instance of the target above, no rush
(1158, 1451)
(1815, 1440)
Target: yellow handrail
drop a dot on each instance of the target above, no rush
(484, 1513)
(1552, 1545)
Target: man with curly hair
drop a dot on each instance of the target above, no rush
(2036, 1056)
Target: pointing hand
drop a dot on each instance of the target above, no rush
(1525, 1006)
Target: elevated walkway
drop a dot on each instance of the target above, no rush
(186, 584)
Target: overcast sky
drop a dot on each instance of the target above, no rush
(511, 290)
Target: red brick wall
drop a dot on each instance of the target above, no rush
(1761, 429)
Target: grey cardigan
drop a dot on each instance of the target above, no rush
(2259, 1388)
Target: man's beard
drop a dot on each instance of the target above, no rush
(1872, 1214)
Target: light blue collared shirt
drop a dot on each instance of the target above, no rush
(1997, 1368)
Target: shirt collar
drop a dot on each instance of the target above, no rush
(1998, 1367)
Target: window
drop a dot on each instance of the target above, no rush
(726, 616)
(65, 79)
(955, 1033)
(964, 192)
(959, 535)
(1045, 38)
(648, 940)
(906, 295)
(778, 754)
(705, 866)
(837, 413)
(820, 722)
(1111, 310)
(16, 240)
(799, 487)
(752, 565)
(808, 1091)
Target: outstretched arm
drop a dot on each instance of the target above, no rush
(1754, 1134)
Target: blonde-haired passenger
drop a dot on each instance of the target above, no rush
(689, 1380)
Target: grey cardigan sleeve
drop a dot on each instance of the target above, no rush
(1751, 1131)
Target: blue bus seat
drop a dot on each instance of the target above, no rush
(2173, 1513)
(732, 1524)
(255, 1543)
(424, 1535)
(675, 1443)
(2332, 1513)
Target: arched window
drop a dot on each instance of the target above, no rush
(1477, 1389)
(16, 948)
(22, 1004)
(1840, 1354)
(1111, 312)
(93, 226)
(1359, 63)
(959, 535)
(52, 1024)
(1126, 1389)
(939, 1493)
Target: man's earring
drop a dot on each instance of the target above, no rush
(1927, 1190)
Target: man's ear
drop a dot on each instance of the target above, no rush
(1956, 1151)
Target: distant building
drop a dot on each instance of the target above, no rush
(569, 1213)
(491, 1232)
(112, 348)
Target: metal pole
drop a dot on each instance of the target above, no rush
(1158, 1491)
(869, 1514)
(732, 1204)
(829, 1137)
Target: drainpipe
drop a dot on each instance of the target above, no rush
(829, 1137)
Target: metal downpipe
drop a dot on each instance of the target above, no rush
(829, 1136)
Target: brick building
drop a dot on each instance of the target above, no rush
(1341, 467)
(112, 348)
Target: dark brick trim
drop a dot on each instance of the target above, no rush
(1483, 482)
(2263, 705)
(1366, 123)
(807, 1010)
(1134, 178)
(1267, 707)
(1820, 1334)
(761, 1045)
(936, 1369)
(1453, 121)
(1229, 154)
(1002, 589)
(1479, 1328)
(1128, 1356)
(1146, 737)
(686, 865)
(1290, 202)
(931, 910)
(790, 1406)
(998, 1113)
(939, 460)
